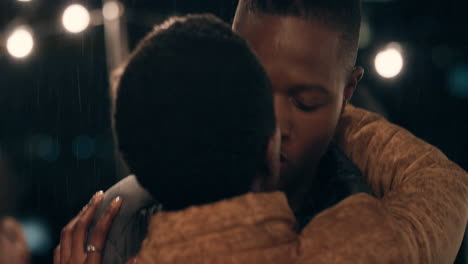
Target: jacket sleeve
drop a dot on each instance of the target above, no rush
(357, 230)
(423, 196)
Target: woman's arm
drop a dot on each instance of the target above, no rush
(424, 196)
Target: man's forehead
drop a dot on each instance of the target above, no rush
(301, 52)
(246, 20)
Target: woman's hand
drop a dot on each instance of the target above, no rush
(72, 248)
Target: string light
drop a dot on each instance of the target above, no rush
(75, 18)
(111, 10)
(389, 62)
(20, 43)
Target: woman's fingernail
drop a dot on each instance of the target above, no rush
(96, 195)
(99, 195)
(84, 208)
(116, 201)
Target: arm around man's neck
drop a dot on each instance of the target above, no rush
(423, 195)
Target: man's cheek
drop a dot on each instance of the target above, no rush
(310, 147)
(318, 138)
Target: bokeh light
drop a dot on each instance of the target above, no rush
(111, 10)
(45, 147)
(84, 147)
(37, 234)
(20, 43)
(389, 62)
(458, 81)
(76, 18)
(365, 35)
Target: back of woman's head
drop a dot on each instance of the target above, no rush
(194, 112)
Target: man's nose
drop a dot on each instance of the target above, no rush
(283, 116)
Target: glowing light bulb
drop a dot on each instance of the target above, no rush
(20, 43)
(76, 18)
(389, 63)
(111, 10)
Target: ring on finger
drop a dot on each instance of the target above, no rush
(92, 249)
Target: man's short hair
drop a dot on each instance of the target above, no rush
(340, 15)
(194, 112)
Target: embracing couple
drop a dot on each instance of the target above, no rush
(244, 149)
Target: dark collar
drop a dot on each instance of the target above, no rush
(337, 178)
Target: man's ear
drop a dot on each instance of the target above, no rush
(351, 84)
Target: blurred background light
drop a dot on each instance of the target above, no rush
(75, 18)
(24, 0)
(83, 147)
(389, 62)
(458, 81)
(111, 10)
(45, 147)
(38, 235)
(20, 43)
(365, 34)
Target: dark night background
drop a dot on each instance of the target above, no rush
(54, 105)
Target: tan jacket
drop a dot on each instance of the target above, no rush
(253, 228)
(424, 196)
(419, 217)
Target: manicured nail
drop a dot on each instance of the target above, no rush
(98, 197)
(116, 201)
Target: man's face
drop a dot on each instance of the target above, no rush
(309, 79)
